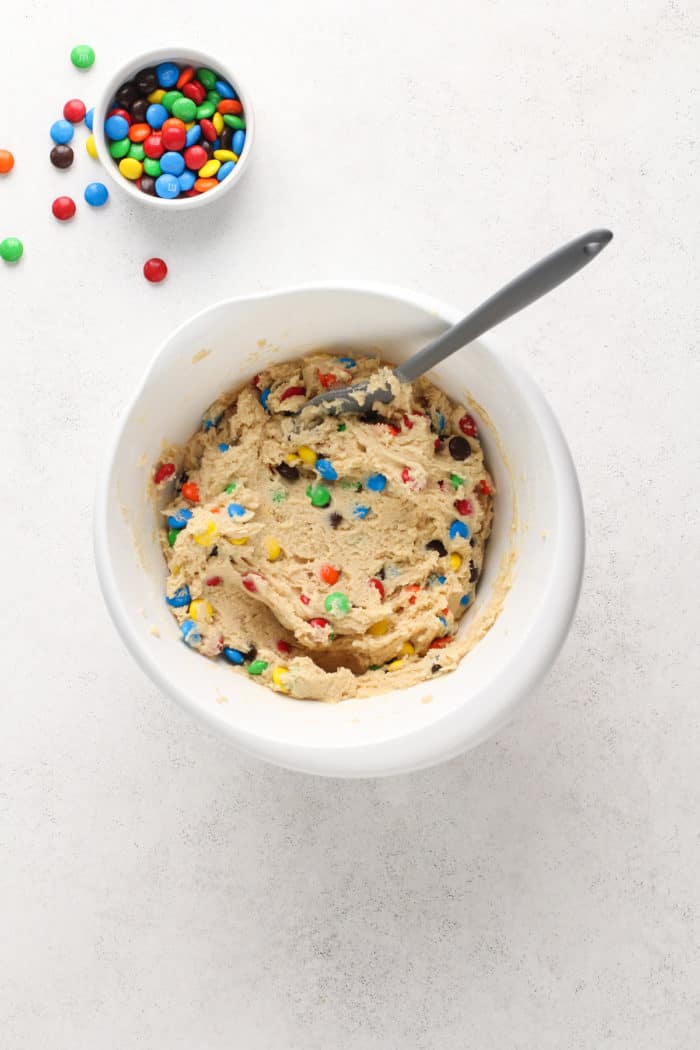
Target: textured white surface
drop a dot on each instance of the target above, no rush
(541, 892)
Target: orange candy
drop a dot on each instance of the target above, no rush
(202, 185)
(328, 573)
(230, 105)
(139, 132)
(190, 490)
(7, 161)
(172, 122)
(185, 77)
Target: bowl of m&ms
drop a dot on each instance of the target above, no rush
(174, 128)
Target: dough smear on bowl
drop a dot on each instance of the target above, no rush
(328, 556)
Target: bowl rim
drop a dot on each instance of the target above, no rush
(127, 70)
(466, 725)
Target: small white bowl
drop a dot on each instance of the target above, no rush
(534, 561)
(186, 56)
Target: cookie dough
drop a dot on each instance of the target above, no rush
(326, 556)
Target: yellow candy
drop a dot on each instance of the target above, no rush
(273, 548)
(292, 458)
(90, 146)
(394, 665)
(209, 169)
(131, 168)
(237, 542)
(307, 455)
(407, 649)
(381, 627)
(455, 561)
(218, 122)
(156, 96)
(205, 538)
(200, 609)
(278, 676)
(190, 125)
(225, 154)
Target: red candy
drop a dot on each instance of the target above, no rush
(165, 470)
(74, 110)
(154, 270)
(327, 380)
(185, 77)
(173, 137)
(467, 425)
(195, 157)
(405, 475)
(208, 130)
(120, 113)
(196, 91)
(153, 146)
(190, 490)
(249, 584)
(283, 647)
(230, 105)
(484, 488)
(440, 643)
(292, 391)
(407, 423)
(378, 586)
(63, 208)
(393, 430)
(213, 581)
(318, 621)
(304, 600)
(464, 506)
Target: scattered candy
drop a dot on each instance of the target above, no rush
(89, 118)
(249, 583)
(190, 634)
(335, 519)
(318, 621)
(464, 506)
(283, 647)
(61, 131)
(180, 598)
(214, 581)
(291, 391)
(326, 469)
(172, 536)
(395, 665)
(234, 656)
(74, 111)
(264, 397)
(278, 677)
(257, 667)
(200, 609)
(82, 56)
(348, 362)
(407, 649)
(360, 511)
(165, 470)
(63, 208)
(307, 455)
(337, 604)
(155, 270)
(484, 488)
(204, 538)
(273, 548)
(456, 481)
(7, 161)
(96, 194)
(319, 495)
(379, 628)
(459, 448)
(455, 562)
(378, 586)
(465, 599)
(190, 490)
(289, 472)
(61, 156)
(91, 147)
(458, 528)
(172, 102)
(11, 249)
(376, 482)
(437, 545)
(328, 573)
(179, 519)
(467, 425)
(235, 510)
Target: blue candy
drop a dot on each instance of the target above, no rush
(96, 194)
(223, 447)
(441, 423)
(62, 131)
(192, 136)
(224, 89)
(376, 482)
(326, 469)
(234, 655)
(172, 163)
(225, 169)
(360, 511)
(443, 621)
(465, 599)
(168, 75)
(235, 510)
(180, 598)
(458, 528)
(116, 127)
(442, 579)
(265, 397)
(216, 144)
(190, 633)
(156, 115)
(187, 180)
(179, 519)
(167, 186)
(348, 362)
(238, 142)
(89, 117)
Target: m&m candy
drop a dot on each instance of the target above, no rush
(155, 270)
(11, 249)
(61, 156)
(7, 161)
(96, 194)
(189, 122)
(74, 110)
(61, 131)
(82, 56)
(63, 208)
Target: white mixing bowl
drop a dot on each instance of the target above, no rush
(534, 560)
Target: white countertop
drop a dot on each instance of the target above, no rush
(540, 893)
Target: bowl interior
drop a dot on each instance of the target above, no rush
(223, 347)
(185, 56)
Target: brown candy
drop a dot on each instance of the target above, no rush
(61, 156)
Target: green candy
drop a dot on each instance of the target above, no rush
(342, 427)
(172, 536)
(456, 481)
(11, 249)
(151, 167)
(184, 109)
(348, 483)
(206, 77)
(257, 667)
(231, 486)
(136, 151)
(337, 604)
(319, 495)
(120, 148)
(82, 56)
(214, 97)
(170, 98)
(231, 119)
(206, 110)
